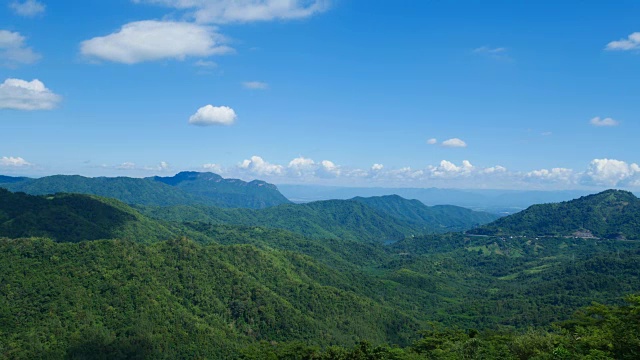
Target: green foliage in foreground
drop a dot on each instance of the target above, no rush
(595, 332)
(178, 299)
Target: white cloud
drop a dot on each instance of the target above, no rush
(212, 167)
(328, 169)
(28, 8)
(226, 11)
(455, 142)
(302, 166)
(632, 42)
(494, 170)
(597, 121)
(126, 166)
(10, 161)
(153, 40)
(611, 172)
(447, 169)
(19, 94)
(14, 51)
(432, 141)
(405, 173)
(257, 165)
(163, 166)
(377, 167)
(255, 85)
(563, 175)
(213, 115)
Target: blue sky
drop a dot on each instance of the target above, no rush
(491, 94)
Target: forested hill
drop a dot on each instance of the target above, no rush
(331, 219)
(441, 217)
(222, 192)
(360, 219)
(609, 214)
(73, 218)
(183, 189)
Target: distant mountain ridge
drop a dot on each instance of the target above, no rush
(609, 214)
(223, 192)
(491, 200)
(442, 217)
(186, 188)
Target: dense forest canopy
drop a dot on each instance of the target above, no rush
(85, 275)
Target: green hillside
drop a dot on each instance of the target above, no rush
(73, 218)
(230, 193)
(360, 219)
(609, 214)
(332, 219)
(440, 218)
(176, 299)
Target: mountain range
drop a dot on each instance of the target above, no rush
(183, 188)
(502, 202)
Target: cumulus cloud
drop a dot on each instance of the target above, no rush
(10, 161)
(255, 85)
(447, 169)
(454, 143)
(212, 167)
(632, 42)
(302, 166)
(563, 175)
(377, 167)
(152, 40)
(611, 172)
(28, 8)
(258, 165)
(162, 166)
(19, 94)
(329, 169)
(213, 115)
(226, 11)
(494, 170)
(14, 51)
(599, 122)
(432, 141)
